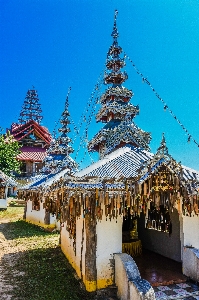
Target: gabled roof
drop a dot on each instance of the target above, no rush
(187, 175)
(20, 131)
(123, 162)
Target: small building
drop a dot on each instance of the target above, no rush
(33, 138)
(56, 164)
(7, 187)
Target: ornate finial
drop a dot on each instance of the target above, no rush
(163, 147)
(163, 139)
(115, 32)
(66, 104)
(54, 134)
(116, 13)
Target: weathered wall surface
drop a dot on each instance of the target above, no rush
(191, 231)
(3, 200)
(68, 248)
(128, 280)
(191, 263)
(108, 235)
(37, 216)
(109, 241)
(75, 248)
(80, 247)
(161, 242)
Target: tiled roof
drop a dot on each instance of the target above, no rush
(123, 162)
(189, 174)
(32, 154)
(45, 180)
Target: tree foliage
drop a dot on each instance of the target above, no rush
(9, 149)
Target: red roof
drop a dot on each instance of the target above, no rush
(20, 131)
(32, 154)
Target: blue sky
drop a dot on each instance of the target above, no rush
(56, 44)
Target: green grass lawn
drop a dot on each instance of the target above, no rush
(11, 213)
(39, 271)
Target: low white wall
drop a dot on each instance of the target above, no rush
(191, 230)
(109, 241)
(80, 247)
(191, 263)
(37, 217)
(3, 203)
(127, 278)
(76, 258)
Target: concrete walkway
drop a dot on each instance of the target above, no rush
(188, 291)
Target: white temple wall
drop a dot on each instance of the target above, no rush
(53, 220)
(57, 224)
(80, 247)
(37, 216)
(109, 241)
(160, 242)
(76, 259)
(191, 263)
(3, 201)
(191, 231)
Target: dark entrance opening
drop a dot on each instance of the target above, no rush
(156, 251)
(159, 270)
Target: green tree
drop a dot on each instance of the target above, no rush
(9, 149)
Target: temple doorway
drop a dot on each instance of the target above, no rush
(156, 251)
(158, 269)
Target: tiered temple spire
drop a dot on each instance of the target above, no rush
(31, 109)
(58, 153)
(116, 111)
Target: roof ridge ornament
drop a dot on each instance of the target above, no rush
(163, 149)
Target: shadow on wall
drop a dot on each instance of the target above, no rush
(168, 245)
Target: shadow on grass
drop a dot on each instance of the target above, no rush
(43, 274)
(21, 229)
